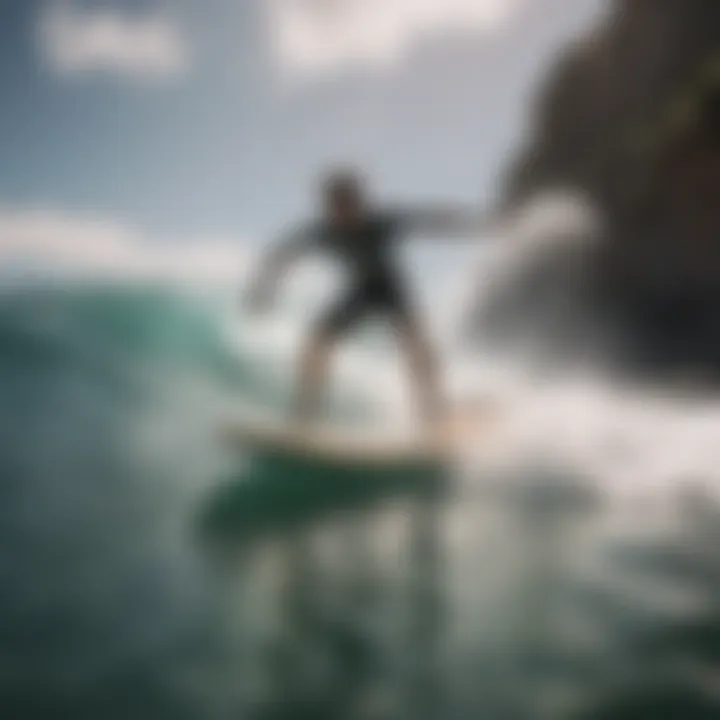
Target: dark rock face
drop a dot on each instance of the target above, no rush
(631, 116)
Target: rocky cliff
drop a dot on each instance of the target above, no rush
(631, 116)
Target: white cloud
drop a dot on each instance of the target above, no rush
(316, 37)
(44, 242)
(78, 40)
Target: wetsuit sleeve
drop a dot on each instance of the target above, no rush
(290, 248)
(442, 221)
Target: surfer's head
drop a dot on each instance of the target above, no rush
(343, 195)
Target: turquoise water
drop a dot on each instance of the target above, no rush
(103, 592)
(147, 572)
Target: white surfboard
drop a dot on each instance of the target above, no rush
(366, 447)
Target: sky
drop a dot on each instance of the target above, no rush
(211, 118)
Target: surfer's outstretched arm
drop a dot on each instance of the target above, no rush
(448, 221)
(275, 265)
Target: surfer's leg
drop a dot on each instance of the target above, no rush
(314, 366)
(423, 366)
(315, 359)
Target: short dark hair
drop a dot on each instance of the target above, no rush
(342, 182)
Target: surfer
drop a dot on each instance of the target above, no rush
(363, 238)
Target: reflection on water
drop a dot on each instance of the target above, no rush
(529, 597)
(145, 575)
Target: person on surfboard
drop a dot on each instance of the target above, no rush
(363, 238)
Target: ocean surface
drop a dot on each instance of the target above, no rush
(148, 571)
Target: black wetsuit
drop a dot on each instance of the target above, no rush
(367, 252)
